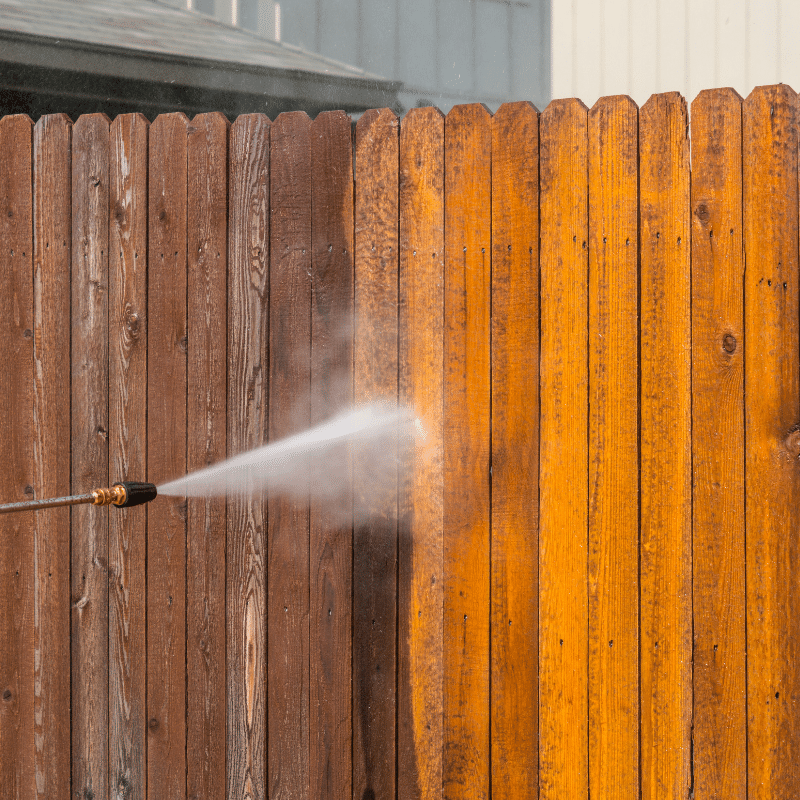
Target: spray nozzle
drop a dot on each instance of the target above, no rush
(125, 494)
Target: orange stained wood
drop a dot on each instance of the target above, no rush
(207, 248)
(89, 463)
(331, 540)
(17, 534)
(247, 360)
(665, 565)
(468, 150)
(613, 451)
(52, 148)
(772, 411)
(166, 458)
(421, 498)
(515, 452)
(288, 735)
(720, 712)
(563, 466)
(375, 531)
(127, 412)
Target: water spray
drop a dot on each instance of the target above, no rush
(121, 495)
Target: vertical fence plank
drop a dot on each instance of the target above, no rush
(166, 458)
(613, 451)
(515, 452)
(563, 453)
(720, 708)
(375, 533)
(666, 460)
(52, 153)
(468, 152)
(207, 255)
(289, 411)
(17, 533)
(421, 499)
(127, 411)
(248, 329)
(90, 168)
(331, 542)
(772, 415)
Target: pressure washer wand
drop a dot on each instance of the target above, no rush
(122, 495)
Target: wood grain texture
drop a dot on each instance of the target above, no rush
(207, 249)
(289, 411)
(665, 559)
(127, 410)
(718, 563)
(564, 451)
(331, 539)
(421, 489)
(18, 765)
(515, 453)
(248, 331)
(52, 245)
(772, 414)
(613, 451)
(375, 501)
(468, 151)
(89, 355)
(166, 458)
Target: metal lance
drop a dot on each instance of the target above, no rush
(121, 495)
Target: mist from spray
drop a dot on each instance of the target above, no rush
(359, 448)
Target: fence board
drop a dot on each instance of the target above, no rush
(720, 712)
(166, 458)
(468, 149)
(772, 406)
(613, 451)
(89, 635)
(52, 152)
(289, 411)
(564, 453)
(421, 498)
(375, 533)
(127, 404)
(515, 453)
(665, 560)
(207, 248)
(248, 331)
(331, 537)
(17, 533)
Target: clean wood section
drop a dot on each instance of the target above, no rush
(468, 162)
(18, 764)
(515, 453)
(166, 458)
(718, 561)
(207, 255)
(127, 413)
(421, 490)
(375, 486)
(52, 243)
(665, 560)
(289, 412)
(613, 451)
(248, 331)
(331, 540)
(563, 451)
(90, 576)
(772, 414)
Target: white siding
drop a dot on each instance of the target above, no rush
(640, 47)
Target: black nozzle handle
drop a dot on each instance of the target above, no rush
(136, 493)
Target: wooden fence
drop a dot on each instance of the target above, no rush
(590, 585)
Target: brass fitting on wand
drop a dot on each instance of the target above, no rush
(122, 495)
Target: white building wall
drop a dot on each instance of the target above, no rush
(640, 47)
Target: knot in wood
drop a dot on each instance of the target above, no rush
(792, 442)
(702, 212)
(729, 343)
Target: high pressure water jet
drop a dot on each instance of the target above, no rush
(121, 495)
